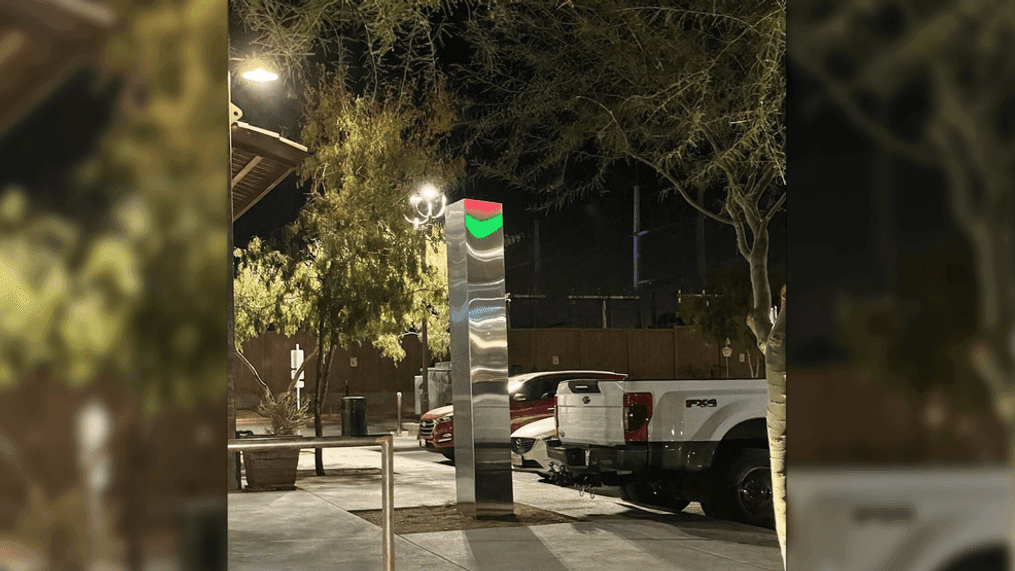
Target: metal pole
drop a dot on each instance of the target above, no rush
(424, 357)
(387, 502)
(399, 395)
(424, 351)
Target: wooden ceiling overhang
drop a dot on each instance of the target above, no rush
(260, 160)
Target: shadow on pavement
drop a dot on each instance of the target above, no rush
(489, 554)
(694, 525)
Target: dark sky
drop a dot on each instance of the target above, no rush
(585, 249)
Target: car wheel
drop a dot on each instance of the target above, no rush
(450, 456)
(744, 492)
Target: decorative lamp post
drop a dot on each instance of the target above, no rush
(428, 205)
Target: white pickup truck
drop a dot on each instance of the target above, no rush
(669, 442)
(900, 518)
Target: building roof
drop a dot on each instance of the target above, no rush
(260, 160)
(41, 44)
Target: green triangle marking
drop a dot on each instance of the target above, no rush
(483, 228)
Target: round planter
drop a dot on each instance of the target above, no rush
(271, 470)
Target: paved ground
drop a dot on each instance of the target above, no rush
(312, 529)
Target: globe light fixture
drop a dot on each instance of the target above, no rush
(427, 205)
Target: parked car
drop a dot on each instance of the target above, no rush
(532, 397)
(528, 446)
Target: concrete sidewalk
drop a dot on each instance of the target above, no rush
(312, 529)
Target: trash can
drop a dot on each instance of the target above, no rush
(354, 416)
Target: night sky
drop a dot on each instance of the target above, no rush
(586, 248)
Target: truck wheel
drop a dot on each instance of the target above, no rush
(744, 492)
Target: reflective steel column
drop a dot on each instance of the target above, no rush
(479, 357)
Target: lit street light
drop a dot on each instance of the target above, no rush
(428, 204)
(260, 75)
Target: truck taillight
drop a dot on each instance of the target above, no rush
(637, 412)
(556, 418)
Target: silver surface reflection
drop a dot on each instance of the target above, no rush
(479, 357)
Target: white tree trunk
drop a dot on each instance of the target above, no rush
(775, 361)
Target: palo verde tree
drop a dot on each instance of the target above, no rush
(350, 269)
(695, 92)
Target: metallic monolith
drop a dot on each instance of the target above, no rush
(479, 357)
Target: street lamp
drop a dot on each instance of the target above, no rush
(428, 204)
(260, 75)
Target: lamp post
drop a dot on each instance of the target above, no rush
(428, 205)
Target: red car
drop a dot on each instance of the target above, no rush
(532, 398)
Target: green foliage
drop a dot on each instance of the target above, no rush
(430, 301)
(563, 91)
(722, 317)
(689, 91)
(382, 31)
(285, 411)
(350, 270)
(136, 293)
(271, 291)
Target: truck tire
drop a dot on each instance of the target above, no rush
(743, 491)
(642, 492)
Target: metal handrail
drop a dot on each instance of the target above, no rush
(387, 443)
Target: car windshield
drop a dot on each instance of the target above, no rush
(534, 386)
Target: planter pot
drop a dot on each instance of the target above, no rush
(271, 470)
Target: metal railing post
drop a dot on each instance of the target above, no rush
(399, 398)
(388, 501)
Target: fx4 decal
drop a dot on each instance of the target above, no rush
(702, 403)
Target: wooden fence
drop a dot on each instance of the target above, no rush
(641, 353)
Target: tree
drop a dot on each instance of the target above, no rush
(350, 269)
(560, 92)
(929, 84)
(721, 316)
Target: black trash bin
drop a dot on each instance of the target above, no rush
(354, 416)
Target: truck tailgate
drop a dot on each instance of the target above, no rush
(590, 412)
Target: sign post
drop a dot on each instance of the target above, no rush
(479, 358)
(727, 351)
(295, 362)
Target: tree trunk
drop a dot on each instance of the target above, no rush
(760, 321)
(775, 361)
